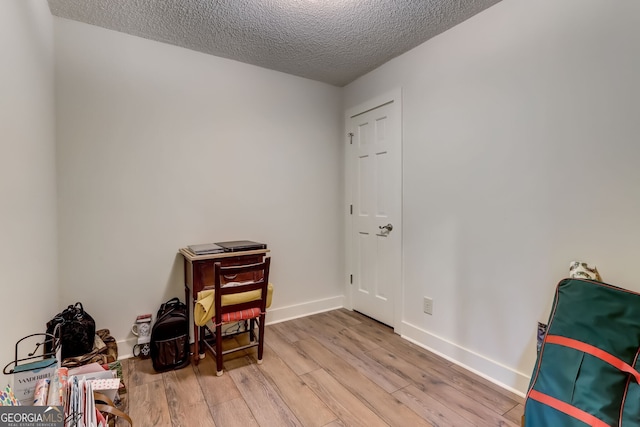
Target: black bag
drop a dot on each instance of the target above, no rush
(77, 331)
(170, 337)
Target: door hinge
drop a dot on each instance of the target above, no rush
(350, 209)
(351, 279)
(350, 135)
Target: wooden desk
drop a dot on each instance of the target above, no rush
(198, 275)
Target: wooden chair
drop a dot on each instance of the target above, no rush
(246, 287)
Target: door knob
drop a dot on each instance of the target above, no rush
(387, 227)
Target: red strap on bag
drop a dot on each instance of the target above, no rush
(596, 352)
(568, 409)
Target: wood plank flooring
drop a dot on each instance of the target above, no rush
(338, 368)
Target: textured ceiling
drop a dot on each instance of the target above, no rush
(334, 41)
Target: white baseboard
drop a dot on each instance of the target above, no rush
(125, 348)
(488, 369)
(281, 314)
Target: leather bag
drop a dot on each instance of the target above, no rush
(77, 330)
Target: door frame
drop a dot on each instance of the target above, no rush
(395, 98)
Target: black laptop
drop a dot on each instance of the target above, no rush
(241, 245)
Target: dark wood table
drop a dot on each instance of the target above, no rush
(198, 275)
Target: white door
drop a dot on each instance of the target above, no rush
(375, 170)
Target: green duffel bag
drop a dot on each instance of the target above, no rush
(586, 372)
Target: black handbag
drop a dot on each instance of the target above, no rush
(77, 331)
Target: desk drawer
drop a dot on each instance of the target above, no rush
(204, 269)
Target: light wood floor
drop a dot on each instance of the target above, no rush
(331, 369)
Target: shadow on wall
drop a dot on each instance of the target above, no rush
(174, 286)
(39, 36)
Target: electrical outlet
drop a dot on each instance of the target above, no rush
(428, 305)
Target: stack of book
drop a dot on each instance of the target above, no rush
(232, 246)
(206, 249)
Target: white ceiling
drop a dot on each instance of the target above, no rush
(333, 41)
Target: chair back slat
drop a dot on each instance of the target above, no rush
(260, 274)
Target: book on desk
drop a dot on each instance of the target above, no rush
(230, 246)
(206, 249)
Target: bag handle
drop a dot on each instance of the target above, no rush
(109, 407)
(171, 304)
(75, 311)
(112, 410)
(172, 301)
(78, 309)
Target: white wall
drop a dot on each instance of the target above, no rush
(520, 155)
(160, 147)
(28, 260)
